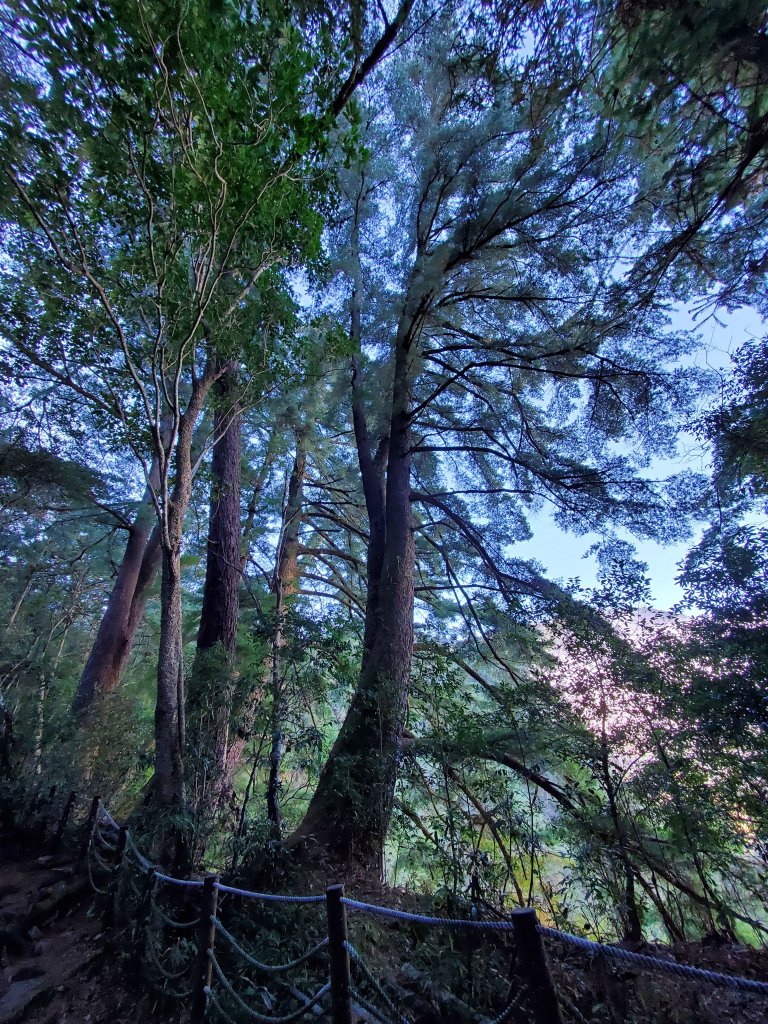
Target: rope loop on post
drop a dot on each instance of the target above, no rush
(372, 981)
(132, 849)
(104, 815)
(262, 1018)
(260, 965)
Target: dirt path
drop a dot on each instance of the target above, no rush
(65, 971)
(42, 967)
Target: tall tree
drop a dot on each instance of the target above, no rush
(515, 359)
(167, 229)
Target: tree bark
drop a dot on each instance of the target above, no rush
(169, 709)
(169, 716)
(248, 705)
(212, 682)
(127, 601)
(371, 466)
(221, 592)
(284, 586)
(350, 810)
(113, 640)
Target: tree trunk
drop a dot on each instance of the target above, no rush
(113, 640)
(371, 466)
(22, 596)
(374, 484)
(212, 682)
(127, 601)
(284, 586)
(248, 704)
(150, 563)
(350, 810)
(221, 593)
(6, 739)
(169, 709)
(169, 718)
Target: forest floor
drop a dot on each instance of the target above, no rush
(66, 970)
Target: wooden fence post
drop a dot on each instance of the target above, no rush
(534, 967)
(341, 982)
(56, 841)
(206, 937)
(110, 909)
(90, 825)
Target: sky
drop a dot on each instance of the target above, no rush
(563, 554)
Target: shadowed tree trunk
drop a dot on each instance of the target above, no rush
(125, 607)
(284, 586)
(350, 810)
(248, 704)
(372, 467)
(213, 672)
(169, 707)
(221, 593)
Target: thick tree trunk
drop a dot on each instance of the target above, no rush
(284, 586)
(212, 682)
(371, 466)
(248, 705)
(116, 630)
(150, 564)
(373, 480)
(350, 810)
(221, 593)
(169, 709)
(127, 601)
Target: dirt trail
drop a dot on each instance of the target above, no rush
(42, 966)
(64, 971)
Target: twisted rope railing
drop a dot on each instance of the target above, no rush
(446, 922)
(261, 1018)
(111, 848)
(260, 965)
(374, 984)
(656, 963)
(268, 896)
(594, 948)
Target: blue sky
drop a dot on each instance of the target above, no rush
(563, 554)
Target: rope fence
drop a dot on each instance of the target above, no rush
(655, 963)
(191, 958)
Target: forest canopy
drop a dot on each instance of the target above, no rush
(310, 313)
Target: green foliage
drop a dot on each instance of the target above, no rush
(519, 191)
